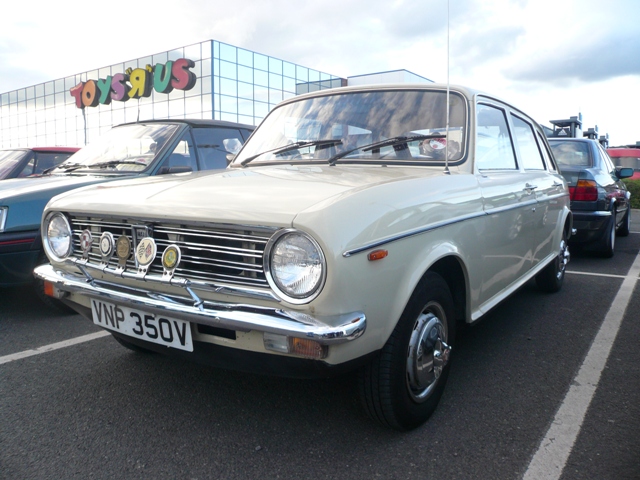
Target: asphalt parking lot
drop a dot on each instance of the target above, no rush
(526, 398)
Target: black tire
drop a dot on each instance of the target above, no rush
(551, 278)
(131, 346)
(624, 228)
(402, 386)
(608, 242)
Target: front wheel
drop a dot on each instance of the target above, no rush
(401, 387)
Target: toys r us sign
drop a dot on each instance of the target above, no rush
(135, 83)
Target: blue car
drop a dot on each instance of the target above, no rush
(146, 148)
(599, 198)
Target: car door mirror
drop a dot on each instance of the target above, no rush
(624, 172)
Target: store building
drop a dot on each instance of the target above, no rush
(210, 79)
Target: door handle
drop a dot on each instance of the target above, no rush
(530, 188)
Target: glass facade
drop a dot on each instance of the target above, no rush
(233, 84)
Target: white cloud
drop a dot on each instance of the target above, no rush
(552, 58)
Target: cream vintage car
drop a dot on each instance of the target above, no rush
(354, 231)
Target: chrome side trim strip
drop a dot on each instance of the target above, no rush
(412, 233)
(445, 223)
(325, 330)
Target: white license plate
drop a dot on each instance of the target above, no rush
(160, 329)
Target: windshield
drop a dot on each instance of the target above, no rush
(8, 161)
(379, 127)
(128, 148)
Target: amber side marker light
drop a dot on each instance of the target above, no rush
(48, 289)
(377, 255)
(293, 345)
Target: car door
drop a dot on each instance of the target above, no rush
(547, 187)
(508, 200)
(616, 188)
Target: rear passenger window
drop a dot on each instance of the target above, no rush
(494, 149)
(527, 146)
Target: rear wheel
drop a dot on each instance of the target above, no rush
(624, 228)
(609, 241)
(551, 278)
(401, 387)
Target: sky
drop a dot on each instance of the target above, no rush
(552, 59)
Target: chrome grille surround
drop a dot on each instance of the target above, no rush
(214, 256)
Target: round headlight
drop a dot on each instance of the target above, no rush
(296, 266)
(58, 236)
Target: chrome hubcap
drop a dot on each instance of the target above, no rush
(428, 353)
(563, 258)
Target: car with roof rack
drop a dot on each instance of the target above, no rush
(355, 231)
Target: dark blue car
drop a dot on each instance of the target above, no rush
(146, 148)
(599, 198)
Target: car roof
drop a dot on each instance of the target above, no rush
(45, 149)
(196, 122)
(56, 149)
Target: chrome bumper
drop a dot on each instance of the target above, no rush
(240, 317)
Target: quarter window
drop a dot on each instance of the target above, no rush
(494, 148)
(527, 146)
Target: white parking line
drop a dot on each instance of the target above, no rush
(554, 450)
(54, 346)
(575, 272)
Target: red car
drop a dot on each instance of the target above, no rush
(23, 162)
(627, 156)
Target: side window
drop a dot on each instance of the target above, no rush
(494, 149)
(546, 154)
(182, 159)
(527, 146)
(215, 143)
(606, 159)
(28, 169)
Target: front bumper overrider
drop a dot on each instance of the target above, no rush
(232, 316)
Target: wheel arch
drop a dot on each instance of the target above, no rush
(452, 270)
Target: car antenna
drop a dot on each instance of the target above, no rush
(446, 131)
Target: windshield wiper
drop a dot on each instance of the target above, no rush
(384, 143)
(67, 167)
(293, 146)
(113, 163)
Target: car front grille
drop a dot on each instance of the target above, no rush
(216, 254)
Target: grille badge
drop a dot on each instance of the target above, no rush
(139, 232)
(86, 240)
(171, 259)
(123, 250)
(145, 253)
(107, 245)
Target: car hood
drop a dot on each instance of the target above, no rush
(27, 197)
(343, 207)
(17, 187)
(265, 195)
